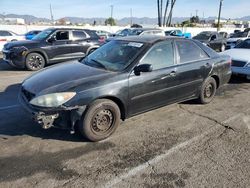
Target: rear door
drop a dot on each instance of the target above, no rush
(157, 88)
(83, 41)
(193, 67)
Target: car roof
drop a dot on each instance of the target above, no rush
(146, 29)
(58, 28)
(150, 39)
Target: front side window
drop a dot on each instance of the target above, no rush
(78, 35)
(189, 51)
(62, 35)
(160, 56)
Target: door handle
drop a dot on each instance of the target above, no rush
(173, 73)
(207, 65)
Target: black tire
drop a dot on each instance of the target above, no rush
(34, 61)
(100, 120)
(208, 90)
(91, 50)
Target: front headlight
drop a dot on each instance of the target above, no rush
(52, 100)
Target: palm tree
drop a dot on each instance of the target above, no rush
(165, 13)
(159, 13)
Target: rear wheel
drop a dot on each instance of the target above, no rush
(100, 120)
(208, 90)
(34, 61)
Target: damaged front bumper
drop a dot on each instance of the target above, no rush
(63, 117)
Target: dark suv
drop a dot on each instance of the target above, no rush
(52, 45)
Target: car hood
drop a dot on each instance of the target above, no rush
(65, 77)
(25, 43)
(235, 39)
(238, 54)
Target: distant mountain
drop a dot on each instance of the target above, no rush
(124, 21)
(27, 18)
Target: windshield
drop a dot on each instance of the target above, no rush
(245, 44)
(43, 35)
(239, 35)
(136, 32)
(124, 32)
(114, 56)
(202, 36)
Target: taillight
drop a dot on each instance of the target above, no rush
(3, 39)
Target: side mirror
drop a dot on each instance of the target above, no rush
(143, 68)
(52, 39)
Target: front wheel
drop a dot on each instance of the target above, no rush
(34, 61)
(100, 120)
(208, 90)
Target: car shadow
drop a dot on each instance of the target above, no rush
(15, 121)
(234, 84)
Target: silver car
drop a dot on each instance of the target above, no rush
(240, 58)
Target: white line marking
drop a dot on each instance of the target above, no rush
(158, 158)
(8, 107)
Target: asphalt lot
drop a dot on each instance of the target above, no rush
(181, 145)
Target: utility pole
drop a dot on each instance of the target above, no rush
(131, 17)
(218, 27)
(112, 7)
(196, 11)
(51, 14)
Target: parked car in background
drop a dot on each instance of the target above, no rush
(177, 32)
(9, 36)
(237, 38)
(123, 78)
(224, 34)
(31, 34)
(51, 46)
(140, 32)
(212, 39)
(103, 35)
(240, 55)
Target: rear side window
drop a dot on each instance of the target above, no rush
(189, 51)
(62, 35)
(78, 35)
(92, 34)
(160, 56)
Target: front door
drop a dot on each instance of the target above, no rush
(153, 89)
(60, 49)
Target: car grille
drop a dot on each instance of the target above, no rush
(28, 95)
(238, 63)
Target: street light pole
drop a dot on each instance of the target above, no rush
(218, 27)
(112, 7)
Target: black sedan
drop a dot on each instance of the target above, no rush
(123, 78)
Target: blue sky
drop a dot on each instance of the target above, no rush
(141, 8)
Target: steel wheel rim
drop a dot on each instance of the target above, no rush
(102, 121)
(35, 62)
(208, 92)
